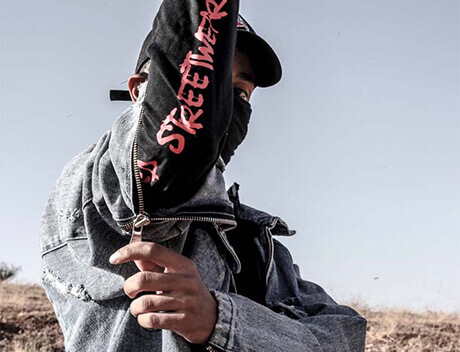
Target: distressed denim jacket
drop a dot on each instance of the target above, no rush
(290, 315)
(156, 175)
(263, 304)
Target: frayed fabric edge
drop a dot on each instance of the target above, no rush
(79, 291)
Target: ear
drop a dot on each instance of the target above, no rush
(133, 85)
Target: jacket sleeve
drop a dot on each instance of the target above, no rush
(162, 148)
(309, 320)
(179, 127)
(189, 98)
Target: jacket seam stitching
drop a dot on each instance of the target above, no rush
(54, 248)
(86, 202)
(63, 244)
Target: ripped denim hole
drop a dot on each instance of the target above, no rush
(65, 288)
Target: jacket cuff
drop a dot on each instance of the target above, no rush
(223, 336)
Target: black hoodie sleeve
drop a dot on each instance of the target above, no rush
(189, 99)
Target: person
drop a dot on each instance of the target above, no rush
(142, 247)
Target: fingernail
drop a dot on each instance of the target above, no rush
(114, 258)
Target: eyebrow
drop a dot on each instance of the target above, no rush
(247, 77)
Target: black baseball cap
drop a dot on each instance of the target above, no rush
(265, 62)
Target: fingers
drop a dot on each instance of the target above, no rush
(147, 265)
(184, 306)
(146, 281)
(168, 321)
(154, 303)
(162, 256)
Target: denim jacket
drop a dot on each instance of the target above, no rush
(263, 303)
(156, 175)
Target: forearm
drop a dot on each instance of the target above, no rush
(188, 103)
(180, 126)
(244, 325)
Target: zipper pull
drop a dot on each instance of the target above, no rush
(138, 226)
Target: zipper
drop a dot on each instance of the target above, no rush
(137, 176)
(141, 219)
(137, 227)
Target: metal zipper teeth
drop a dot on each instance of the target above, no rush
(141, 211)
(137, 177)
(129, 226)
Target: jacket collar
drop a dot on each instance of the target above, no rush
(244, 212)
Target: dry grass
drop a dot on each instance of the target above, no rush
(27, 320)
(28, 324)
(404, 331)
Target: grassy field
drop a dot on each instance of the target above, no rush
(27, 323)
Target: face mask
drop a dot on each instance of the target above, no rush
(238, 127)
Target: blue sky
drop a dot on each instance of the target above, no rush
(358, 147)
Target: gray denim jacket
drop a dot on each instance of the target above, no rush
(78, 235)
(101, 200)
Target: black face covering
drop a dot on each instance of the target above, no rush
(238, 126)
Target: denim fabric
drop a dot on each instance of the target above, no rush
(299, 315)
(96, 195)
(98, 318)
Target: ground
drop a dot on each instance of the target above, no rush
(404, 331)
(28, 323)
(27, 320)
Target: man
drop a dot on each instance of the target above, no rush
(201, 271)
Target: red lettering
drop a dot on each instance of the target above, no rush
(206, 36)
(206, 52)
(193, 59)
(204, 58)
(190, 98)
(197, 81)
(187, 119)
(146, 168)
(173, 137)
(214, 12)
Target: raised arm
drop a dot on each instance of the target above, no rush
(189, 97)
(159, 154)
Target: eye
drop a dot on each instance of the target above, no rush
(242, 94)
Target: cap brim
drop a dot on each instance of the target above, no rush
(119, 95)
(265, 62)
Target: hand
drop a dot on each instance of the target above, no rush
(182, 302)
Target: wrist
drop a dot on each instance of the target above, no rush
(209, 321)
(223, 336)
